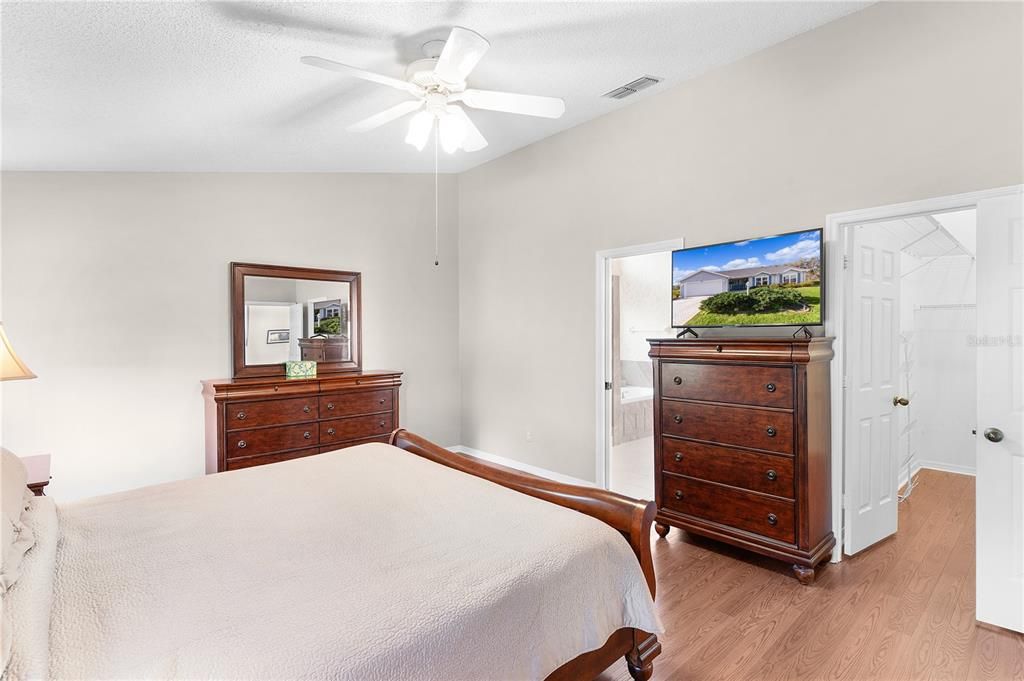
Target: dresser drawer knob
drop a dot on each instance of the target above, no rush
(678, 380)
(382, 424)
(241, 444)
(773, 519)
(330, 405)
(771, 475)
(306, 435)
(770, 387)
(718, 348)
(330, 431)
(677, 418)
(771, 431)
(679, 495)
(240, 416)
(678, 457)
(306, 409)
(382, 400)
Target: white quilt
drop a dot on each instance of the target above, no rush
(368, 563)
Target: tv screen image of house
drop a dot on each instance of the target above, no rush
(766, 281)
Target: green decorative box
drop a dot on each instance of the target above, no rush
(300, 369)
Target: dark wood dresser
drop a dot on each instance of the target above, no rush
(323, 349)
(253, 421)
(742, 439)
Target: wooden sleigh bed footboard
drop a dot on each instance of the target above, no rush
(630, 517)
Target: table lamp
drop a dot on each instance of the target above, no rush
(11, 367)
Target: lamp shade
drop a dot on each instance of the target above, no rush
(11, 368)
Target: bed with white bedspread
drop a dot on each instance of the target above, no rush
(366, 563)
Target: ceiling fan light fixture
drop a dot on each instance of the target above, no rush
(452, 130)
(419, 129)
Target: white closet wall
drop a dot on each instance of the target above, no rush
(938, 321)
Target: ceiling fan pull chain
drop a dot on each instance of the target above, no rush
(436, 248)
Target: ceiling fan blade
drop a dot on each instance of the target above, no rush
(386, 116)
(509, 102)
(397, 83)
(462, 51)
(474, 141)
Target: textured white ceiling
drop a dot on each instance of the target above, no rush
(154, 86)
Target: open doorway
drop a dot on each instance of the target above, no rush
(641, 299)
(928, 317)
(911, 305)
(634, 296)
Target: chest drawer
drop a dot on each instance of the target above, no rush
(748, 511)
(762, 386)
(354, 403)
(235, 464)
(741, 426)
(356, 427)
(241, 415)
(352, 443)
(736, 467)
(265, 440)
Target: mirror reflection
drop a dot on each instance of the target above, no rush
(296, 319)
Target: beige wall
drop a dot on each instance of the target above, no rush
(894, 103)
(115, 290)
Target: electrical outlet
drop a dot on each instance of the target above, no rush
(529, 436)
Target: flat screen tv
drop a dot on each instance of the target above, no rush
(766, 281)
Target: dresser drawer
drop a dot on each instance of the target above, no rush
(353, 443)
(739, 468)
(728, 506)
(241, 415)
(356, 427)
(763, 386)
(742, 426)
(235, 464)
(727, 350)
(264, 440)
(353, 403)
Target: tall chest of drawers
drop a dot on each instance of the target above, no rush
(255, 421)
(742, 434)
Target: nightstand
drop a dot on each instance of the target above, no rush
(38, 467)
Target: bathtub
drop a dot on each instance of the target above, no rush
(635, 393)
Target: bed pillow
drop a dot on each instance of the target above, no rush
(17, 537)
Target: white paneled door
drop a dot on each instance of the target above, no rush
(1000, 442)
(872, 380)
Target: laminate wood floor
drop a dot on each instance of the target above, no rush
(902, 609)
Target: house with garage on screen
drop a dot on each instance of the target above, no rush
(709, 283)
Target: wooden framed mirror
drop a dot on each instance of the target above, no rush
(294, 313)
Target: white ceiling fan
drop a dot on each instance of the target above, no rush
(438, 85)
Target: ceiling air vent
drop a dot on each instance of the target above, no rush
(632, 87)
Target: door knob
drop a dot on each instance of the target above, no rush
(993, 435)
(900, 401)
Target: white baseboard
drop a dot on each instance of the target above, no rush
(935, 466)
(519, 465)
